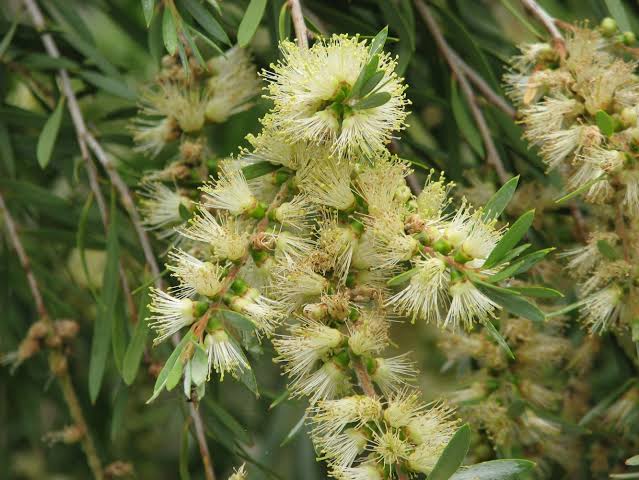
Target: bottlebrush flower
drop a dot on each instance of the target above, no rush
(161, 208)
(224, 354)
(314, 97)
(232, 84)
(230, 192)
(170, 314)
(195, 276)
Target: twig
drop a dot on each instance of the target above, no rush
(492, 157)
(363, 378)
(413, 184)
(68, 391)
(549, 24)
(86, 139)
(484, 88)
(298, 23)
(201, 441)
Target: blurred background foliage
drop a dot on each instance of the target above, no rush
(110, 53)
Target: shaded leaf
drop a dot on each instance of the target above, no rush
(109, 85)
(169, 32)
(250, 21)
(148, 6)
(372, 101)
(501, 341)
(135, 350)
(206, 20)
(161, 381)
(510, 239)
(106, 309)
(49, 134)
(464, 121)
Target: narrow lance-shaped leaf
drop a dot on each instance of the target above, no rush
(377, 44)
(134, 351)
(373, 101)
(169, 32)
(464, 122)
(250, 21)
(498, 202)
(147, 8)
(501, 341)
(106, 308)
(49, 134)
(510, 238)
(284, 22)
(206, 20)
(161, 381)
(453, 455)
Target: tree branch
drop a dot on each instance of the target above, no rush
(483, 87)
(548, 22)
(62, 374)
(87, 141)
(492, 157)
(298, 23)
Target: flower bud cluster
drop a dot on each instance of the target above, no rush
(516, 401)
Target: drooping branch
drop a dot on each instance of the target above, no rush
(57, 361)
(492, 157)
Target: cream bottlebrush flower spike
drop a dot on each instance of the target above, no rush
(232, 84)
(581, 111)
(318, 97)
(162, 208)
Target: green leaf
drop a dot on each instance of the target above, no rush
(250, 22)
(247, 377)
(106, 308)
(365, 74)
(402, 277)
(109, 85)
(148, 6)
(259, 169)
(372, 101)
(6, 151)
(371, 83)
(206, 20)
(607, 250)
(238, 320)
(6, 40)
(510, 238)
(175, 374)
(508, 469)
(284, 23)
(161, 381)
(513, 302)
(605, 123)
(532, 259)
(184, 451)
(452, 456)
(135, 350)
(377, 44)
(538, 292)
(154, 39)
(633, 461)
(618, 12)
(199, 366)
(464, 121)
(500, 199)
(279, 399)
(501, 341)
(119, 334)
(240, 432)
(294, 431)
(169, 32)
(49, 134)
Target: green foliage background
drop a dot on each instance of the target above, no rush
(109, 53)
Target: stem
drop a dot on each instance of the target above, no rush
(492, 157)
(484, 88)
(363, 378)
(201, 440)
(68, 391)
(549, 24)
(298, 23)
